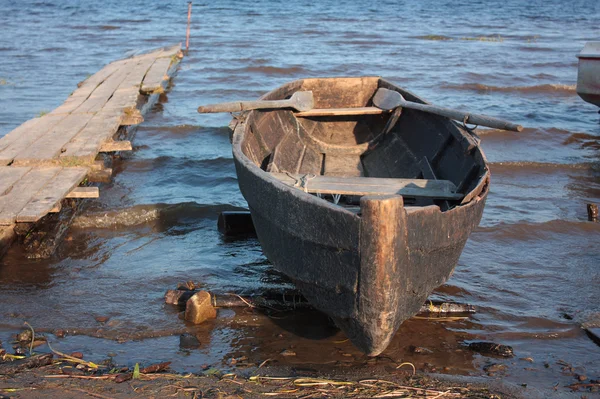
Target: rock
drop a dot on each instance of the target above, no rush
(188, 341)
(178, 297)
(288, 352)
(102, 319)
(491, 348)
(24, 336)
(59, 333)
(114, 323)
(199, 308)
(20, 351)
(187, 286)
(582, 377)
(77, 355)
(420, 349)
(527, 359)
(495, 368)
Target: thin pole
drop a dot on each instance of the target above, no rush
(187, 34)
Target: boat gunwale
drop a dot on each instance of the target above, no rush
(479, 190)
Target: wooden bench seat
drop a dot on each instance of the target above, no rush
(439, 189)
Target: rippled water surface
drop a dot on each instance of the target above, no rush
(532, 268)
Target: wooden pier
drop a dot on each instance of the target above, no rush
(46, 159)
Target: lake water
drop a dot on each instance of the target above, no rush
(532, 268)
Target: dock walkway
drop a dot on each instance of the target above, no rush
(44, 160)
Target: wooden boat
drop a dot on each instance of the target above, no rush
(366, 222)
(588, 74)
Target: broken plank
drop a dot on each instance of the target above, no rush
(442, 189)
(170, 51)
(114, 146)
(22, 192)
(341, 112)
(156, 75)
(136, 74)
(50, 145)
(123, 98)
(51, 194)
(9, 175)
(26, 135)
(84, 192)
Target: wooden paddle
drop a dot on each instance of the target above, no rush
(389, 99)
(300, 101)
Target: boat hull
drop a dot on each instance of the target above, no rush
(588, 74)
(368, 272)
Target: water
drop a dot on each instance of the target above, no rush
(532, 267)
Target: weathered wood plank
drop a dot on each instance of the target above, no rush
(170, 51)
(84, 192)
(341, 112)
(22, 192)
(114, 146)
(20, 139)
(442, 189)
(51, 194)
(136, 75)
(343, 165)
(50, 145)
(86, 144)
(156, 75)
(9, 175)
(123, 98)
(103, 93)
(87, 87)
(7, 236)
(17, 132)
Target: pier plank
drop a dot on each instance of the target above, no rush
(48, 147)
(23, 191)
(137, 73)
(51, 194)
(86, 144)
(105, 90)
(21, 139)
(84, 192)
(9, 176)
(44, 155)
(156, 75)
(16, 133)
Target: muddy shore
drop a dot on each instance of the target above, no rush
(63, 380)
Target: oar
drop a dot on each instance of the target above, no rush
(389, 99)
(300, 101)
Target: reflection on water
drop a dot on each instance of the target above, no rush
(531, 268)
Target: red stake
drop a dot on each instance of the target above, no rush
(187, 35)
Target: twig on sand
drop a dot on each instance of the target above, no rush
(32, 338)
(96, 395)
(73, 359)
(408, 364)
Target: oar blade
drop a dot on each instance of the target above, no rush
(303, 101)
(387, 99)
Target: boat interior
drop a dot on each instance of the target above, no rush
(345, 147)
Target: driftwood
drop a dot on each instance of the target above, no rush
(20, 365)
(390, 99)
